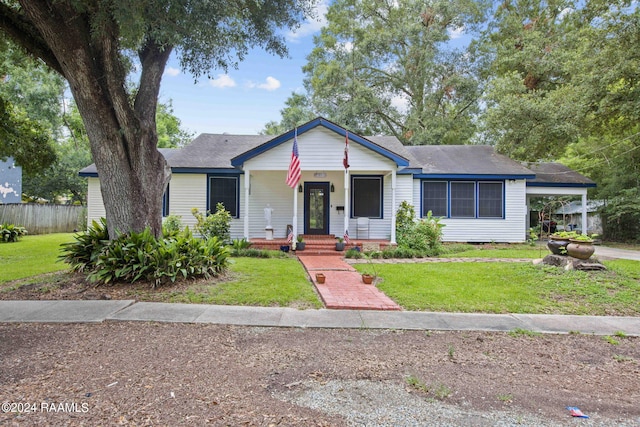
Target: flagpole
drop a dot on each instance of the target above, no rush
(295, 219)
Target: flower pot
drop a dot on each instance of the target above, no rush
(340, 246)
(580, 249)
(557, 246)
(320, 278)
(367, 279)
(300, 246)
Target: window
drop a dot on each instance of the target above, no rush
(224, 189)
(434, 198)
(463, 200)
(366, 196)
(165, 202)
(490, 200)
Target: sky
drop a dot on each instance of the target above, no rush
(242, 100)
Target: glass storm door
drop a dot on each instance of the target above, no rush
(316, 208)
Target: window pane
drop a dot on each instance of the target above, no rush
(490, 203)
(367, 197)
(434, 198)
(165, 202)
(224, 190)
(463, 200)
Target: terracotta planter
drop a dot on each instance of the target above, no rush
(367, 279)
(581, 250)
(320, 278)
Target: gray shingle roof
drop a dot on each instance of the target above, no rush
(215, 150)
(556, 173)
(465, 159)
(168, 153)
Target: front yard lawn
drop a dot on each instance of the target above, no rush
(32, 255)
(512, 288)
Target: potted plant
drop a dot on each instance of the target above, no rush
(581, 247)
(320, 278)
(300, 244)
(558, 242)
(340, 244)
(367, 277)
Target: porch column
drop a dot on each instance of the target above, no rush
(584, 213)
(247, 187)
(347, 199)
(393, 207)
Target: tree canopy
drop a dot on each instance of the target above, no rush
(94, 45)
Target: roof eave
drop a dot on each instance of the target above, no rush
(239, 160)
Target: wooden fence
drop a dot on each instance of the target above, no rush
(44, 219)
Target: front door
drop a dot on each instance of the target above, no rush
(316, 208)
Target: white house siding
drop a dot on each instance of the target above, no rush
(187, 191)
(95, 206)
(511, 229)
(321, 152)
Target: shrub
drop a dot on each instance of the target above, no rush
(82, 254)
(423, 237)
(353, 253)
(11, 233)
(140, 256)
(216, 224)
(171, 225)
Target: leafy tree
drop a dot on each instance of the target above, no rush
(30, 94)
(93, 45)
(296, 112)
(384, 67)
(170, 135)
(532, 110)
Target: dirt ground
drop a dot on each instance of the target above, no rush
(144, 374)
(120, 373)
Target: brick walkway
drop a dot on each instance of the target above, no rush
(343, 287)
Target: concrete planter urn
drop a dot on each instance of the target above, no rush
(580, 249)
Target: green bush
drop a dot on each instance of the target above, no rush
(216, 224)
(257, 253)
(171, 225)
(353, 253)
(140, 256)
(11, 233)
(82, 254)
(424, 236)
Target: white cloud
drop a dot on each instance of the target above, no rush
(311, 25)
(270, 84)
(222, 81)
(456, 33)
(170, 71)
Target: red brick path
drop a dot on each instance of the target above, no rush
(343, 287)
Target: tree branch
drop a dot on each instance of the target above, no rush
(27, 36)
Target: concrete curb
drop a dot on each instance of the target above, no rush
(130, 311)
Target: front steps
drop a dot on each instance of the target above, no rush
(320, 245)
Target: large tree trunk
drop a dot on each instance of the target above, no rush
(133, 174)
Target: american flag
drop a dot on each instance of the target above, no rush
(346, 236)
(290, 237)
(345, 161)
(294, 174)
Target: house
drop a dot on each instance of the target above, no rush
(571, 214)
(481, 195)
(10, 182)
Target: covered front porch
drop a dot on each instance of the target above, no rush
(322, 245)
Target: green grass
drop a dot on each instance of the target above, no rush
(512, 288)
(32, 255)
(257, 282)
(495, 251)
